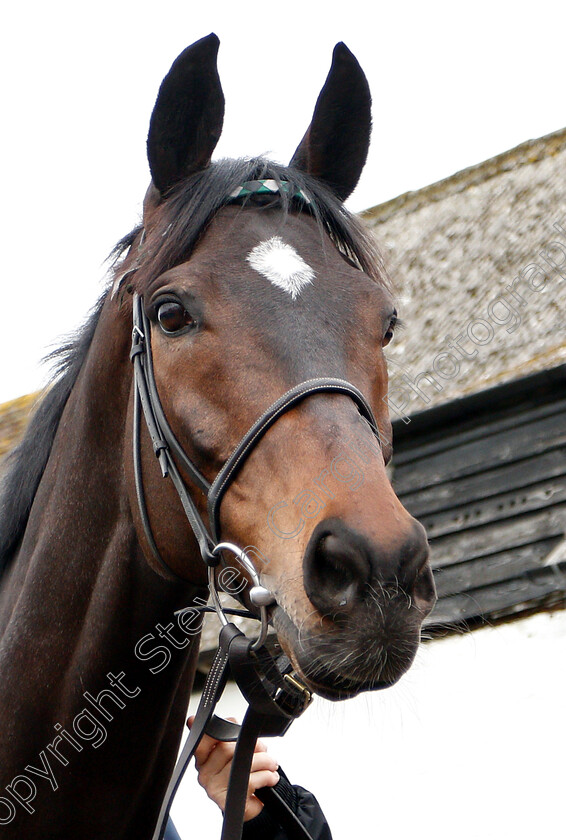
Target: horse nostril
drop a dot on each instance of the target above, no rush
(336, 571)
(415, 573)
(340, 563)
(424, 590)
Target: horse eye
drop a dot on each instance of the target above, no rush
(173, 316)
(390, 330)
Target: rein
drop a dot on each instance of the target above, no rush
(274, 694)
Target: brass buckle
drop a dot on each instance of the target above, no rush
(301, 688)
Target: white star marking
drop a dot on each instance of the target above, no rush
(281, 265)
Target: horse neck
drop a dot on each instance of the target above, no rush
(80, 597)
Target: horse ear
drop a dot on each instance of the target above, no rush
(336, 144)
(187, 118)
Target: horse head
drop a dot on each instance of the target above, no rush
(254, 278)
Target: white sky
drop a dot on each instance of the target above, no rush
(452, 85)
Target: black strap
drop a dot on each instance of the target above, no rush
(267, 419)
(214, 686)
(257, 675)
(240, 775)
(265, 716)
(142, 332)
(162, 438)
(252, 728)
(138, 481)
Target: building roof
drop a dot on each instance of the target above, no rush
(14, 416)
(452, 248)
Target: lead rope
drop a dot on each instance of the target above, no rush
(274, 702)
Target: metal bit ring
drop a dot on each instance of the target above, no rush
(250, 569)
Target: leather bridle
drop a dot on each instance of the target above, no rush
(274, 694)
(166, 447)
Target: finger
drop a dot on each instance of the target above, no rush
(205, 747)
(214, 775)
(217, 789)
(263, 761)
(215, 779)
(217, 759)
(262, 778)
(206, 744)
(205, 750)
(260, 747)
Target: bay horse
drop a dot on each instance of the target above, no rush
(253, 277)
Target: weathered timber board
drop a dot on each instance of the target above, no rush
(503, 565)
(486, 475)
(474, 543)
(504, 596)
(518, 443)
(452, 494)
(523, 500)
(470, 429)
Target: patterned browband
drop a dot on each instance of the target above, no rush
(266, 186)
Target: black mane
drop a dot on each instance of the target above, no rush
(185, 214)
(26, 463)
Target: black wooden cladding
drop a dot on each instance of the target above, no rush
(486, 475)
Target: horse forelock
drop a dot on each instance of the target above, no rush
(185, 214)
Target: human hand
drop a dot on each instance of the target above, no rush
(213, 762)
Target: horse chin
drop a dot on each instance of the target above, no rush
(333, 683)
(334, 686)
